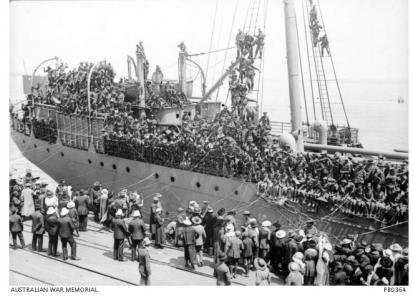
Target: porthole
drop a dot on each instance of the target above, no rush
(102, 164)
(216, 188)
(127, 169)
(35, 146)
(89, 161)
(62, 154)
(47, 149)
(198, 185)
(172, 179)
(156, 175)
(236, 192)
(114, 167)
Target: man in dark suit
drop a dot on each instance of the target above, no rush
(120, 232)
(52, 228)
(37, 229)
(137, 231)
(82, 205)
(66, 229)
(16, 228)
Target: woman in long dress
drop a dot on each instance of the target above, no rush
(28, 203)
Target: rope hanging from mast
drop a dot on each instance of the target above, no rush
(212, 37)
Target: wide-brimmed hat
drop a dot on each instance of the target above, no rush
(105, 191)
(96, 183)
(187, 222)
(159, 195)
(119, 212)
(298, 256)
(64, 211)
(51, 210)
(386, 262)
(387, 253)
(155, 199)
(395, 247)
(136, 213)
(280, 234)
(222, 256)
(346, 241)
(246, 213)
(293, 266)
(146, 241)
(196, 220)
(260, 264)
(70, 204)
(266, 223)
(210, 210)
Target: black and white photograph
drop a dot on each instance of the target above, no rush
(208, 143)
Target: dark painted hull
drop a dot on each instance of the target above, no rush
(81, 168)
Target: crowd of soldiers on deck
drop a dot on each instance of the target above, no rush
(315, 28)
(302, 256)
(242, 78)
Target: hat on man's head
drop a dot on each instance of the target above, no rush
(136, 214)
(395, 247)
(196, 220)
(246, 213)
(51, 210)
(210, 209)
(64, 211)
(70, 204)
(266, 223)
(119, 212)
(260, 264)
(280, 234)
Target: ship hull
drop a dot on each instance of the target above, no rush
(82, 168)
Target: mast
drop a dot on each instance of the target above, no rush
(293, 72)
(140, 60)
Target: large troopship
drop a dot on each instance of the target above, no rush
(76, 149)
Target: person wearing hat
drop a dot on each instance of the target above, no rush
(95, 192)
(209, 221)
(277, 249)
(294, 276)
(50, 200)
(385, 269)
(137, 230)
(82, 202)
(66, 229)
(52, 228)
(159, 228)
(230, 217)
(262, 274)
(152, 223)
(144, 262)
(219, 237)
(16, 228)
(401, 268)
(264, 237)
(103, 203)
(189, 239)
(181, 216)
(204, 209)
(120, 233)
(59, 187)
(200, 236)
(71, 206)
(221, 271)
(27, 178)
(27, 200)
(247, 217)
(233, 250)
(42, 197)
(37, 229)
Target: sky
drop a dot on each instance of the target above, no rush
(368, 41)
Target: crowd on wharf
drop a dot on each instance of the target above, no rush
(303, 256)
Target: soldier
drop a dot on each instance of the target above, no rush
(137, 231)
(120, 232)
(66, 229)
(144, 262)
(239, 39)
(324, 45)
(37, 229)
(259, 43)
(16, 228)
(82, 203)
(222, 272)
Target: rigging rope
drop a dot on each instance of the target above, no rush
(212, 37)
(229, 41)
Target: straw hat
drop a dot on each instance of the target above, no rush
(293, 266)
(136, 214)
(50, 210)
(266, 223)
(280, 234)
(395, 248)
(196, 220)
(64, 211)
(187, 222)
(119, 212)
(70, 204)
(146, 241)
(260, 264)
